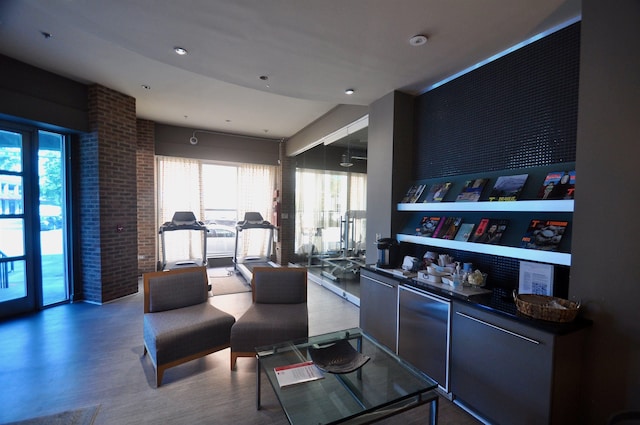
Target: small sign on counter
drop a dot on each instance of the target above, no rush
(535, 278)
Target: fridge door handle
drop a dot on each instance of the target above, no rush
(466, 316)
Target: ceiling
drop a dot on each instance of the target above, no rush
(309, 51)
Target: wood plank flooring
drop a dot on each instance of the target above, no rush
(82, 354)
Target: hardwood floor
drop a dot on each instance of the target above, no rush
(82, 354)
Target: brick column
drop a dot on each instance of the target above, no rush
(145, 167)
(107, 198)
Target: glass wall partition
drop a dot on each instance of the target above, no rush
(330, 215)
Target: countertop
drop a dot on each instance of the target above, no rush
(497, 300)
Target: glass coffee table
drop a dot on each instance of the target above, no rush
(384, 386)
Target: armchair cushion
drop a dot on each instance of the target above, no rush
(174, 334)
(275, 286)
(264, 324)
(169, 291)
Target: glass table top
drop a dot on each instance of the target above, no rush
(383, 382)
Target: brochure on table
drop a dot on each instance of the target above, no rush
(297, 373)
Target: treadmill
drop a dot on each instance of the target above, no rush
(184, 221)
(244, 264)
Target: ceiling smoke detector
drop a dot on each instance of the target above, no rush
(418, 40)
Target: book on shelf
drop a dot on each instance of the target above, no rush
(508, 188)
(437, 192)
(472, 190)
(464, 233)
(297, 373)
(558, 185)
(413, 194)
(490, 230)
(449, 228)
(428, 226)
(544, 234)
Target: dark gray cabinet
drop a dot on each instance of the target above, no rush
(511, 373)
(379, 307)
(423, 333)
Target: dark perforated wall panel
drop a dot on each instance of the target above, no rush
(519, 111)
(516, 112)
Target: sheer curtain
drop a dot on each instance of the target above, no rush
(323, 199)
(256, 184)
(179, 183)
(358, 206)
(180, 188)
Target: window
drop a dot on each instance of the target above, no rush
(218, 195)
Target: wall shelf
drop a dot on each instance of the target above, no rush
(517, 206)
(560, 258)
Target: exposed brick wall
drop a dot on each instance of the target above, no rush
(89, 286)
(147, 227)
(108, 198)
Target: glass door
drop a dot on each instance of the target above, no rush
(51, 178)
(33, 266)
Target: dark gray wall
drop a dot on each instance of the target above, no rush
(605, 248)
(32, 95)
(174, 141)
(389, 164)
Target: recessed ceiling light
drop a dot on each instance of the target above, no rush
(180, 51)
(349, 91)
(418, 40)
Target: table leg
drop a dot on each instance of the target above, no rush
(257, 384)
(433, 411)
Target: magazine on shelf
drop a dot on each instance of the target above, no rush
(472, 190)
(465, 231)
(449, 228)
(413, 194)
(490, 231)
(297, 373)
(438, 231)
(544, 235)
(558, 185)
(428, 226)
(437, 192)
(508, 188)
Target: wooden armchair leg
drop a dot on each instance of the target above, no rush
(159, 375)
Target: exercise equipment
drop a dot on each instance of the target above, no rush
(184, 221)
(351, 256)
(244, 264)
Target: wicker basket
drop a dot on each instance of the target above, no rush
(547, 308)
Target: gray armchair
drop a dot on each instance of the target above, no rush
(278, 313)
(179, 324)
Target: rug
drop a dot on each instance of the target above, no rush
(224, 281)
(85, 416)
